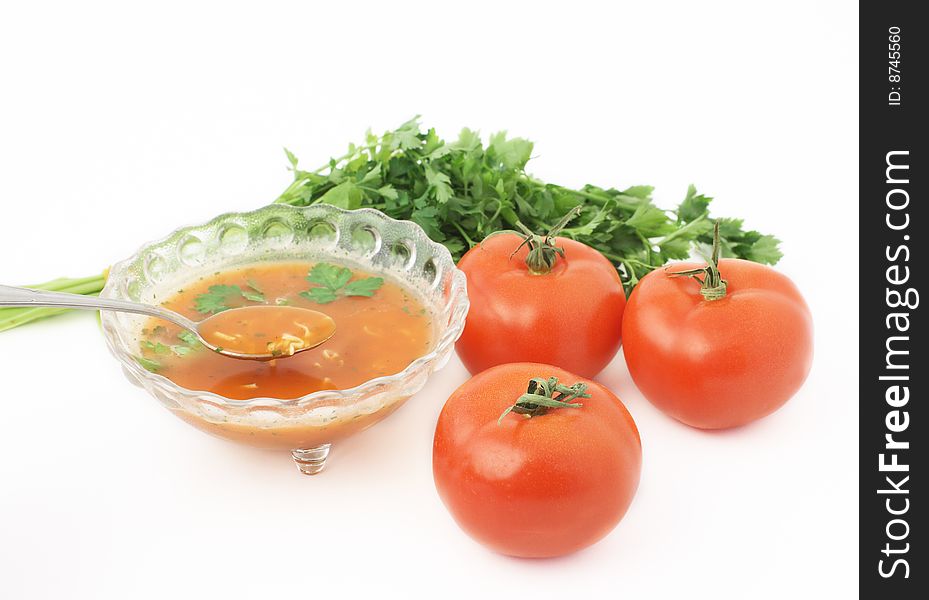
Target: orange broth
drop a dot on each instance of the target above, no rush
(375, 336)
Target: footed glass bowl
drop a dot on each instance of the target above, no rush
(365, 238)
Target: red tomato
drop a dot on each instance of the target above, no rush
(536, 486)
(718, 363)
(570, 316)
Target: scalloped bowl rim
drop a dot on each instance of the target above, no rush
(445, 339)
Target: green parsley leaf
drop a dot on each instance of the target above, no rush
(253, 292)
(373, 175)
(439, 184)
(643, 192)
(764, 250)
(729, 229)
(672, 249)
(335, 281)
(330, 276)
(188, 337)
(291, 159)
(180, 350)
(216, 299)
(155, 347)
(407, 135)
(388, 192)
(148, 364)
(428, 218)
(512, 153)
(650, 221)
(320, 295)
(345, 195)
(363, 287)
(693, 206)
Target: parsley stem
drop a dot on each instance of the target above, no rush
(287, 196)
(461, 230)
(630, 272)
(685, 229)
(599, 200)
(647, 245)
(346, 156)
(633, 261)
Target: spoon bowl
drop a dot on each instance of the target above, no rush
(264, 332)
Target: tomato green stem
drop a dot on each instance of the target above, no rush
(543, 253)
(545, 394)
(712, 285)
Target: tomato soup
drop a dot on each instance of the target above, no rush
(380, 328)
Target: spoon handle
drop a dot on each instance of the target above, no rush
(17, 296)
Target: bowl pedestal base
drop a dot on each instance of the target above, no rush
(311, 461)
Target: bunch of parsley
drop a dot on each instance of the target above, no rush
(462, 191)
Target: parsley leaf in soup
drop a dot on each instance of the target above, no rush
(155, 347)
(363, 287)
(330, 276)
(181, 350)
(320, 295)
(188, 337)
(216, 299)
(148, 364)
(334, 282)
(252, 295)
(253, 292)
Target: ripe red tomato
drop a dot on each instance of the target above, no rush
(717, 363)
(570, 316)
(536, 486)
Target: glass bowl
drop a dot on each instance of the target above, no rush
(366, 239)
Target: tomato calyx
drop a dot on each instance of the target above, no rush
(543, 253)
(543, 395)
(712, 285)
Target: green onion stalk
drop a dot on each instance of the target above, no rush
(86, 286)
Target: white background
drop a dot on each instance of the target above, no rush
(119, 123)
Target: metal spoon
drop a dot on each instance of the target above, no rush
(315, 327)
